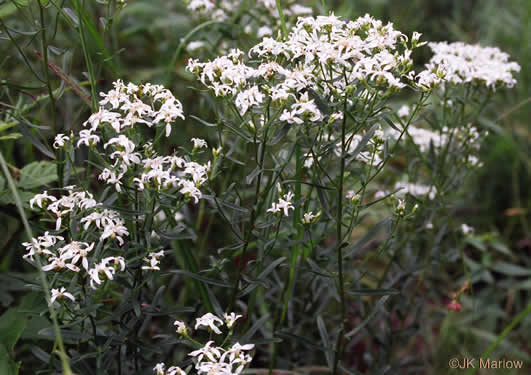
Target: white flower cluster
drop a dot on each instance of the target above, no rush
(165, 172)
(284, 203)
(128, 107)
(114, 127)
(322, 57)
(462, 63)
(153, 261)
(415, 190)
(264, 13)
(424, 138)
(121, 109)
(109, 221)
(57, 255)
(65, 205)
(212, 359)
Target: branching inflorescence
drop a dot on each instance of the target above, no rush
(327, 84)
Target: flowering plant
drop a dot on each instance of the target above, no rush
(321, 193)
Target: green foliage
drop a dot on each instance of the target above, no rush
(37, 174)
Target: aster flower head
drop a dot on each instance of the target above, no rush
(283, 204)
(41, 199)
(310, 217)
(231, 318)
(180, 327)
(57, 294)
(199, 143)
(209, 321)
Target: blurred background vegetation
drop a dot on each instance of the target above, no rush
(142, 42)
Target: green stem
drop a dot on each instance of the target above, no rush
(88, 60)
(325, 9)
(282, 20)
(45, 63)
(260, 164)
(502, 336)
(189, 263)
(42, 276)
(299, 160)
(339, 225)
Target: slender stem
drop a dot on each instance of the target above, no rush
(44, 281)
(45, 63)
(88, 60)
(339, 226)
(24, 57)
(296, 223)
(504, 333)
(282, 20)
(325, 9)
(260, 164)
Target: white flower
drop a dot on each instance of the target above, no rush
(236, 354)
(153, 261)
(40, 198)
(213, 353)
(351, 194)
(117, 262)
(100, 270)
(203, 6)
(415, 189)
(174, 370)
(59, 264)
(466, 229)
(231, 318)
(249, 98)
(199, 143)
(283, 204)
(309, 217)
(467, 63)
(106, 217)
(264, 31)
(401, 207)
(335, 117)
(114, 230)
(189, 189)
(290, 117)
(169, 112)
(122, 143)
(195, 45)
(77, 250)
(41, 246)
(60, 141)
(58, 294)
(159, 368)
(87, 138)
(111, 177)
(425, 137)
(308, 161)
(216, 368)
(403, 112)
(299, 10)
(181, 327)
(104, 116)
(209, 320)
